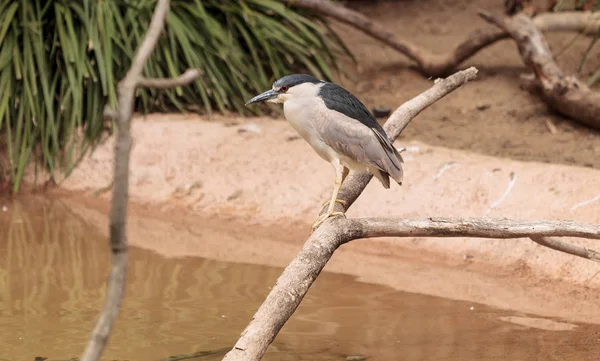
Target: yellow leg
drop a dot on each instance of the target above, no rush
(339, 179)
(340, 201)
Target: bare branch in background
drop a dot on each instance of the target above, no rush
(118, 215)
(188, 77)
(432, 64)
(566, 94)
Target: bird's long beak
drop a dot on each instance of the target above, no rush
(269, 94)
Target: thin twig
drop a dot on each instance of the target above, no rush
(153, 33)
(569, 248)
(118, 214)
(188, 77)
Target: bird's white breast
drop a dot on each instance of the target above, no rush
(300, 111)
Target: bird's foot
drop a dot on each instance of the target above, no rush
(340, 201)
(324, 217)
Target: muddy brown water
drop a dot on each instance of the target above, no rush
(53, 270)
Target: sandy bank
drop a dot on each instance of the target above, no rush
(247, 191)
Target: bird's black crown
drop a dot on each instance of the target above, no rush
(295, 79)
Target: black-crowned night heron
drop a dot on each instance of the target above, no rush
(338, 127)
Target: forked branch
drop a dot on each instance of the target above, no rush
(299, 275)
(569, 248)
(566, 94)
(432, 64)
(118, 215)
(539, 231)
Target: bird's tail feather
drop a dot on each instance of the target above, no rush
(384, 178)
(395, 169)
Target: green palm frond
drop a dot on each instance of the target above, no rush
(60, 62)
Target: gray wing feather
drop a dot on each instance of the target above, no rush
(341, 101)
(357, 141)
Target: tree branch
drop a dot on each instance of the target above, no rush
(574, 249)
(566, 94)
(299, 275)
(118, 215)
(585, 22)
(538, 231)
(153, 33)
(188, 77)
(431, 64)
(361, 22)
(477, 228)
(109, 113)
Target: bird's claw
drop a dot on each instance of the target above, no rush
(340, 201)
(324, 217)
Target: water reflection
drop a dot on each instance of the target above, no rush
(53, 270)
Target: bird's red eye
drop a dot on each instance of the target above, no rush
(284, 89)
